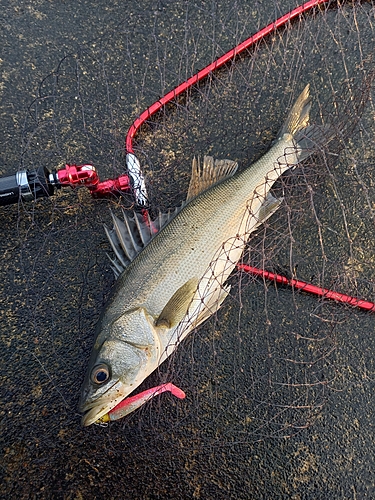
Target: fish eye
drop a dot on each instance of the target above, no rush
(100, 374)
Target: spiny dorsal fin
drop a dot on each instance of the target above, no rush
(127, 239)
(116, 266)
(130, 235)
(211, 173)
(121, 260)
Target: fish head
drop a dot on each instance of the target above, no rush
(126, 351)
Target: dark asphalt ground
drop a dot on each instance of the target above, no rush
(280, 388)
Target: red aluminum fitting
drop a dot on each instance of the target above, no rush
(86, 175)
(78, 175)
(111, 186)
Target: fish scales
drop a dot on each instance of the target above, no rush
(189, 242)
(178, 280)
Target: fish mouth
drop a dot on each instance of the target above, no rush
(93, 410)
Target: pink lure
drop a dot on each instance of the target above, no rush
(130, 404)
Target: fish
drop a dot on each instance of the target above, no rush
(172, 271)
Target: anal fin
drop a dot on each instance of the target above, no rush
(268, 207)
(212, 305)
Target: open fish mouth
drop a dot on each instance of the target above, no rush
(129, 404)
(94, 410)
(107, 408)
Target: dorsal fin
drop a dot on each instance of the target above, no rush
(127, 238)
(130, 235)
(211, 173)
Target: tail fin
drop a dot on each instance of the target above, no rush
(298, 116)
(341, 115)
(307, 138)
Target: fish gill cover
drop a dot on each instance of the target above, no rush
(279, 384)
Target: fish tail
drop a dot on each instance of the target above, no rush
(307, 138)
(298, 116)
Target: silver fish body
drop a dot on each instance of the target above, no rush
(178, 279)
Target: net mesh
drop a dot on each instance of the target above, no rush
(273, 363)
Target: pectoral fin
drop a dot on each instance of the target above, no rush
(177, 306)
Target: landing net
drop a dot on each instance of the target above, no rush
(274, 365)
